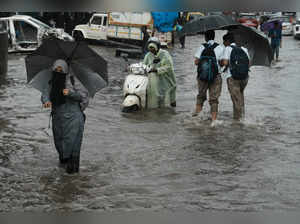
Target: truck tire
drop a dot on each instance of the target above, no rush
(78, 36)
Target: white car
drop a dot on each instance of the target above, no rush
(296, 30)
(25, 33)
(287, 27)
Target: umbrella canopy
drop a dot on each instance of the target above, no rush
(89, 67)
(257, 44)
(260, 51)
(270, 24)
(206, 23)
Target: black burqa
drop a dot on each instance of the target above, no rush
(58, 83)
(67, 117)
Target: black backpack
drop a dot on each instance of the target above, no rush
(239, 63)
(208, 65)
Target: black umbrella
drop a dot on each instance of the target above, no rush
(257, 44)
(89, 67)
(206, 23)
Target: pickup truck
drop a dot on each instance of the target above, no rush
(119, 26)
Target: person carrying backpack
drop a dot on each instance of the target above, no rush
(237, 63)
(209, 79)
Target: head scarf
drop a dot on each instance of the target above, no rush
(58, 83)
(61, 63)
(153, 45)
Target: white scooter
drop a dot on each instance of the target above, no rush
(135, 88)
(141, 89)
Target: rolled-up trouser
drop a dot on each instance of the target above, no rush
(275, 51)
(236, 89)
(214, 92)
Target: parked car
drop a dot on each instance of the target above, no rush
(296, 29)
(248, 19)
(287, 27)
(194, 15)
(26, 33)
(292, 16)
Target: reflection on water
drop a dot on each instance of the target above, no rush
(158, 159)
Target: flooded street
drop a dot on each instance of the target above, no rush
(160, 159)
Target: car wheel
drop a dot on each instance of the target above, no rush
(78, 36)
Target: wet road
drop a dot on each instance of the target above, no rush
(160, 159)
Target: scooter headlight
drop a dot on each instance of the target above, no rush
(137, 69)
(131, 100)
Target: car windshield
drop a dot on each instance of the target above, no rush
(45, 26)
(215, 13)
(195, 16)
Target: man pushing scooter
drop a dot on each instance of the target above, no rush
(162, 82)
(158, 88)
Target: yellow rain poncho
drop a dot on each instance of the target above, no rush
(161, 90)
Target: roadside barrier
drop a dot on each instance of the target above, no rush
(3, 52)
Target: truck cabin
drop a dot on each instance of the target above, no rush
(98, 20)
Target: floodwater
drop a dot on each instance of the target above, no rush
(160, 159)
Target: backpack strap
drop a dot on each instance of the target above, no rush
(206, 45)
(238, 47)
(227, 66)
(232, 46)
(214, 45)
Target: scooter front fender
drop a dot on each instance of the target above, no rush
(131, 100)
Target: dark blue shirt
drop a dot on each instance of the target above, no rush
(275, 35)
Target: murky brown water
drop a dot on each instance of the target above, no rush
(160, 159)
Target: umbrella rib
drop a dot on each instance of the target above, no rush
(60, 47)
(105, 73)
(69, 58)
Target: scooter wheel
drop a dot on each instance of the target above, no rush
(131, 109)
